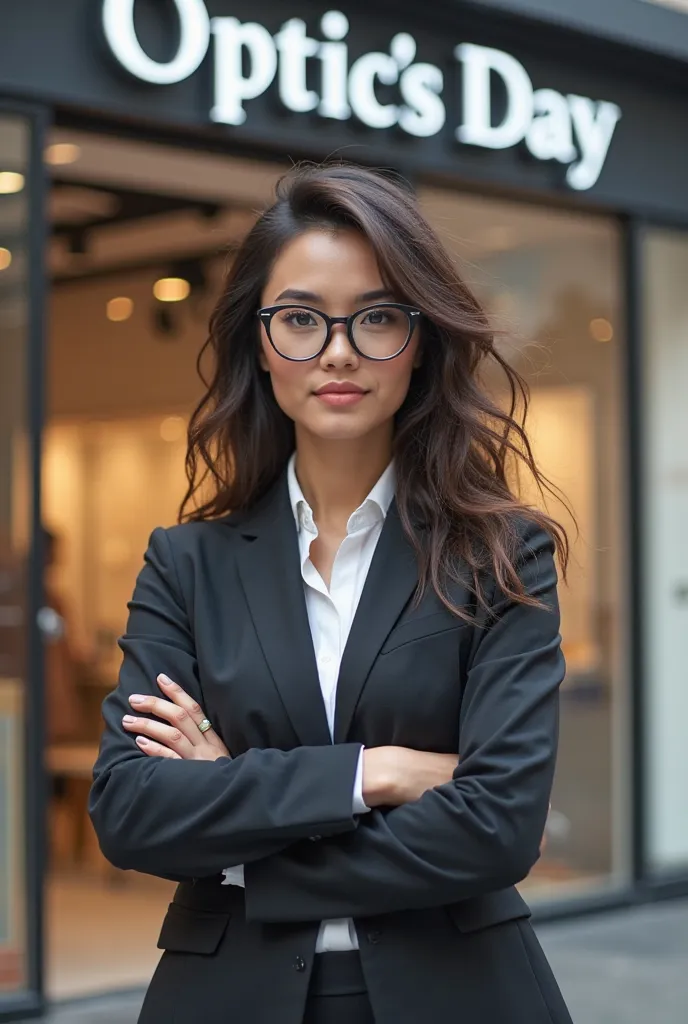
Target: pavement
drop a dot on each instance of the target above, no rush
(621, 967)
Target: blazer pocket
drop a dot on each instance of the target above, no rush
(485, 911)
(192, 931)
(416, 629)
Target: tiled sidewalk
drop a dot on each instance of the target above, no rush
(625, 967)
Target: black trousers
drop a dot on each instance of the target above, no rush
(337, 992)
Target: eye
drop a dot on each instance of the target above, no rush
(375, 317)
(380, 317)
(299, 318)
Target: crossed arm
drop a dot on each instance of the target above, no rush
(473, 827)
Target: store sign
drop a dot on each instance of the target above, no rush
(248, 59)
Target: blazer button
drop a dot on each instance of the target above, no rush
(374, 937)
(299, 964)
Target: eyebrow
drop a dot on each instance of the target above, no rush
(301, 296)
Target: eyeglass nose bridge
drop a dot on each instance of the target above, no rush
(345, 321)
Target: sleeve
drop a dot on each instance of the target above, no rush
(185, 819)
(360, 806)
(482, 831)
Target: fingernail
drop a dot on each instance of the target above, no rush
(165, 680)
(128, 719)
(142, 741)
(136, 698)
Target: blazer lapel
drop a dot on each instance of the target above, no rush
(390, 583)
(270, 572)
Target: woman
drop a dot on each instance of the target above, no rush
(336, 720)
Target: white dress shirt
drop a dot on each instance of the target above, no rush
(330, 615)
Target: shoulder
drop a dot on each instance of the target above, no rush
(193, 540)
(530, 538)
(520, 537)
(531, 551)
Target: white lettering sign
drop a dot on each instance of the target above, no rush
(118, 24)
(550, 124)
(573, 130)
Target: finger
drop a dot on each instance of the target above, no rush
(182, 699)
(153, 749)
(168, 711)
(167, 735)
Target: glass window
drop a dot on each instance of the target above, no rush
(665, 491)
(551, 283)
(679, 5)
(120, 383)
(14, 150)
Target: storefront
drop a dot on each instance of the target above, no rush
(548, 149)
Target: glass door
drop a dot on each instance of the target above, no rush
(552, 283)
(665, 495)
(21, 311)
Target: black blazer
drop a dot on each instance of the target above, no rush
(443, 934)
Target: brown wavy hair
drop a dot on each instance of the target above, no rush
(454, 445)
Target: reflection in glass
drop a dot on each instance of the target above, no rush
(13, 548)
(665, 493)
(551, 283)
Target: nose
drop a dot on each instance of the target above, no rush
(339, 352)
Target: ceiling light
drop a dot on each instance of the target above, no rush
(171, 289)
(119, 309)
(601, 329)
(172, 428)
(11, 182)
(60, 153)
(5, 258)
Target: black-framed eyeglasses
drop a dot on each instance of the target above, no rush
(376, 332)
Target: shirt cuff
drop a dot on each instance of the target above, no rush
(360, 806)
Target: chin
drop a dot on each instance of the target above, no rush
(339, 427)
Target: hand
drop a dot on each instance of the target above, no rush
(400, 775)
(181, 738)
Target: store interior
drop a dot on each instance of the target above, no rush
(139, 238)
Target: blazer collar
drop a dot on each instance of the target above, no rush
(270, 572)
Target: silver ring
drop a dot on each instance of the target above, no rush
(205, 725)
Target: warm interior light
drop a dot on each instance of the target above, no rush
(116, 551)
(60, 153)
(499, 237)
(5, 258)
(172, 428)
(10, 182)
(601, 329)
(171, 289)
(119, 308)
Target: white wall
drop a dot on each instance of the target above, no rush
(666, 569)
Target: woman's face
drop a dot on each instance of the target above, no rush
(335, 272)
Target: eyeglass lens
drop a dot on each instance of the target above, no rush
(378, 333)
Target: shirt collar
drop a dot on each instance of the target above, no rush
(380, 497)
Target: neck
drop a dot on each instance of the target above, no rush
(337, 476)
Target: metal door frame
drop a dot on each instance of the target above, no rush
(30, 1002)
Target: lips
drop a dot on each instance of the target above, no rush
(340, 388)
(340, 394)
